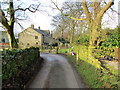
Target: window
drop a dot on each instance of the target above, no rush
(3, 40)
(36, 37)
(36, 43)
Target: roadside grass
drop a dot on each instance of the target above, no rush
(67, 50)
(93, 74)
(88, 72)
(94, 77)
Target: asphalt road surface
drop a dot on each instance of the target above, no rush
(56, 73)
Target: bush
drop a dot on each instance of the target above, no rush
(93, 71)
(111, 38)
(100, 51)
(83, 40)
(18, 65)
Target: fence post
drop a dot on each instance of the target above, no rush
(77, 56)
(117, 53)
(57, 50)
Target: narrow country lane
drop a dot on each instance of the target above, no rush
(56, 73)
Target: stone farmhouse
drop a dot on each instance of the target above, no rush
(35, 37)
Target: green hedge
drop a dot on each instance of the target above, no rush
(93, 71)
(18, 64)
(101, 51)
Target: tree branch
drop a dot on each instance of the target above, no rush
(73, 18)
(20, 25)
(97, 8)
(33, 11)
(105, 8)
(113, 9)
(86, 11)
(3, 20)
(77, 18)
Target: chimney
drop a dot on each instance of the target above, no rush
(32, 25)
(39, 27)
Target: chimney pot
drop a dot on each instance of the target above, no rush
(32, 25)
(39, 27)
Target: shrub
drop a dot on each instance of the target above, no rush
(18, 65)
(83, 40)
(93, 71)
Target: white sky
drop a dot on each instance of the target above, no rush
(40, 18)
(110, 19)
(43, 20)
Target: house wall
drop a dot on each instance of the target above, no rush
(27, 38)
(0, 37)
(3, 37)
(47, 40)
(4, 42)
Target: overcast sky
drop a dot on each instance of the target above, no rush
(42, 19)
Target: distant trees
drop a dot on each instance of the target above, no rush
(89, 12)
(8, 18)
(66, 27)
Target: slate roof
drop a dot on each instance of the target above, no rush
(44, 33)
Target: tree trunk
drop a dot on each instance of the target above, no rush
(94, 30)
(72, 33)
(12, 40)
(11, 36)
(9, 25)
(94, 20)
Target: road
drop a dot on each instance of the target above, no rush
(56, 73)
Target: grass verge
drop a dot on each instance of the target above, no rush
(94, 77)
(87, 72)
(93, 74)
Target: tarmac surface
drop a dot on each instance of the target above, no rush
(56, 72)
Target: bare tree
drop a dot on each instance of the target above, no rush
(93, 12)
(94, 18)
(68, 24)
(8, 22)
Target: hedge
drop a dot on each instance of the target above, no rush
(93, 71)
(18, 66)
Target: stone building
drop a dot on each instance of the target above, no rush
(4, 42)
(3, 37)
(35, 37)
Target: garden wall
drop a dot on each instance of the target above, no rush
(18, 66)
